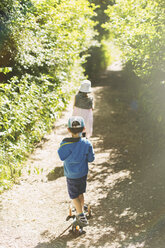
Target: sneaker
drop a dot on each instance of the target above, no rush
(82, 220)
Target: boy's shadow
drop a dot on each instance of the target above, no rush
(55, 173)
(57, 242)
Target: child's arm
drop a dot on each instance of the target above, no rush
(91, 154)
(63, 152)
(92, 104)
(74, 101)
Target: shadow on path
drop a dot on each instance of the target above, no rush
(133, 174)
(127, 181)
(57, 242)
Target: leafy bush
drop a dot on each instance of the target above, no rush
(40, 68)
(138, 28)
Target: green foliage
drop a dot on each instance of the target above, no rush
(99, 55)
(40, 67)
(101, 17)
(5, 70)
(98, 60)
(138, 27)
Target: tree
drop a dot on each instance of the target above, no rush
(98, 58)
(138, 28)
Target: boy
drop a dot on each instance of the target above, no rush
(76, 152)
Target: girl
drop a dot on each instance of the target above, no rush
(83, 106)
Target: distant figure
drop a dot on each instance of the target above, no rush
(83, 106)
(134, 105)
(76, 152)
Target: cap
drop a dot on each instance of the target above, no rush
(85, 86)
(76, 122)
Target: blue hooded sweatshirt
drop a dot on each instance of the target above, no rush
(76, 153)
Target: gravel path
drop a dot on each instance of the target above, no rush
(126, 182)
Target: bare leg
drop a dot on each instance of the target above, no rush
(77, 204)
(81, 198)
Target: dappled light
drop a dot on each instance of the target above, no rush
(47, 48)
(119, 188)
(124, 185)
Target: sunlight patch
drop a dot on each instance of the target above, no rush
(128, 213)
(117, 177)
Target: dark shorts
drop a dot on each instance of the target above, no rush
(76, 186)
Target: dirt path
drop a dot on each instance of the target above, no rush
(125, 186)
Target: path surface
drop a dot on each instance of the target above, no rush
(126, 182)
